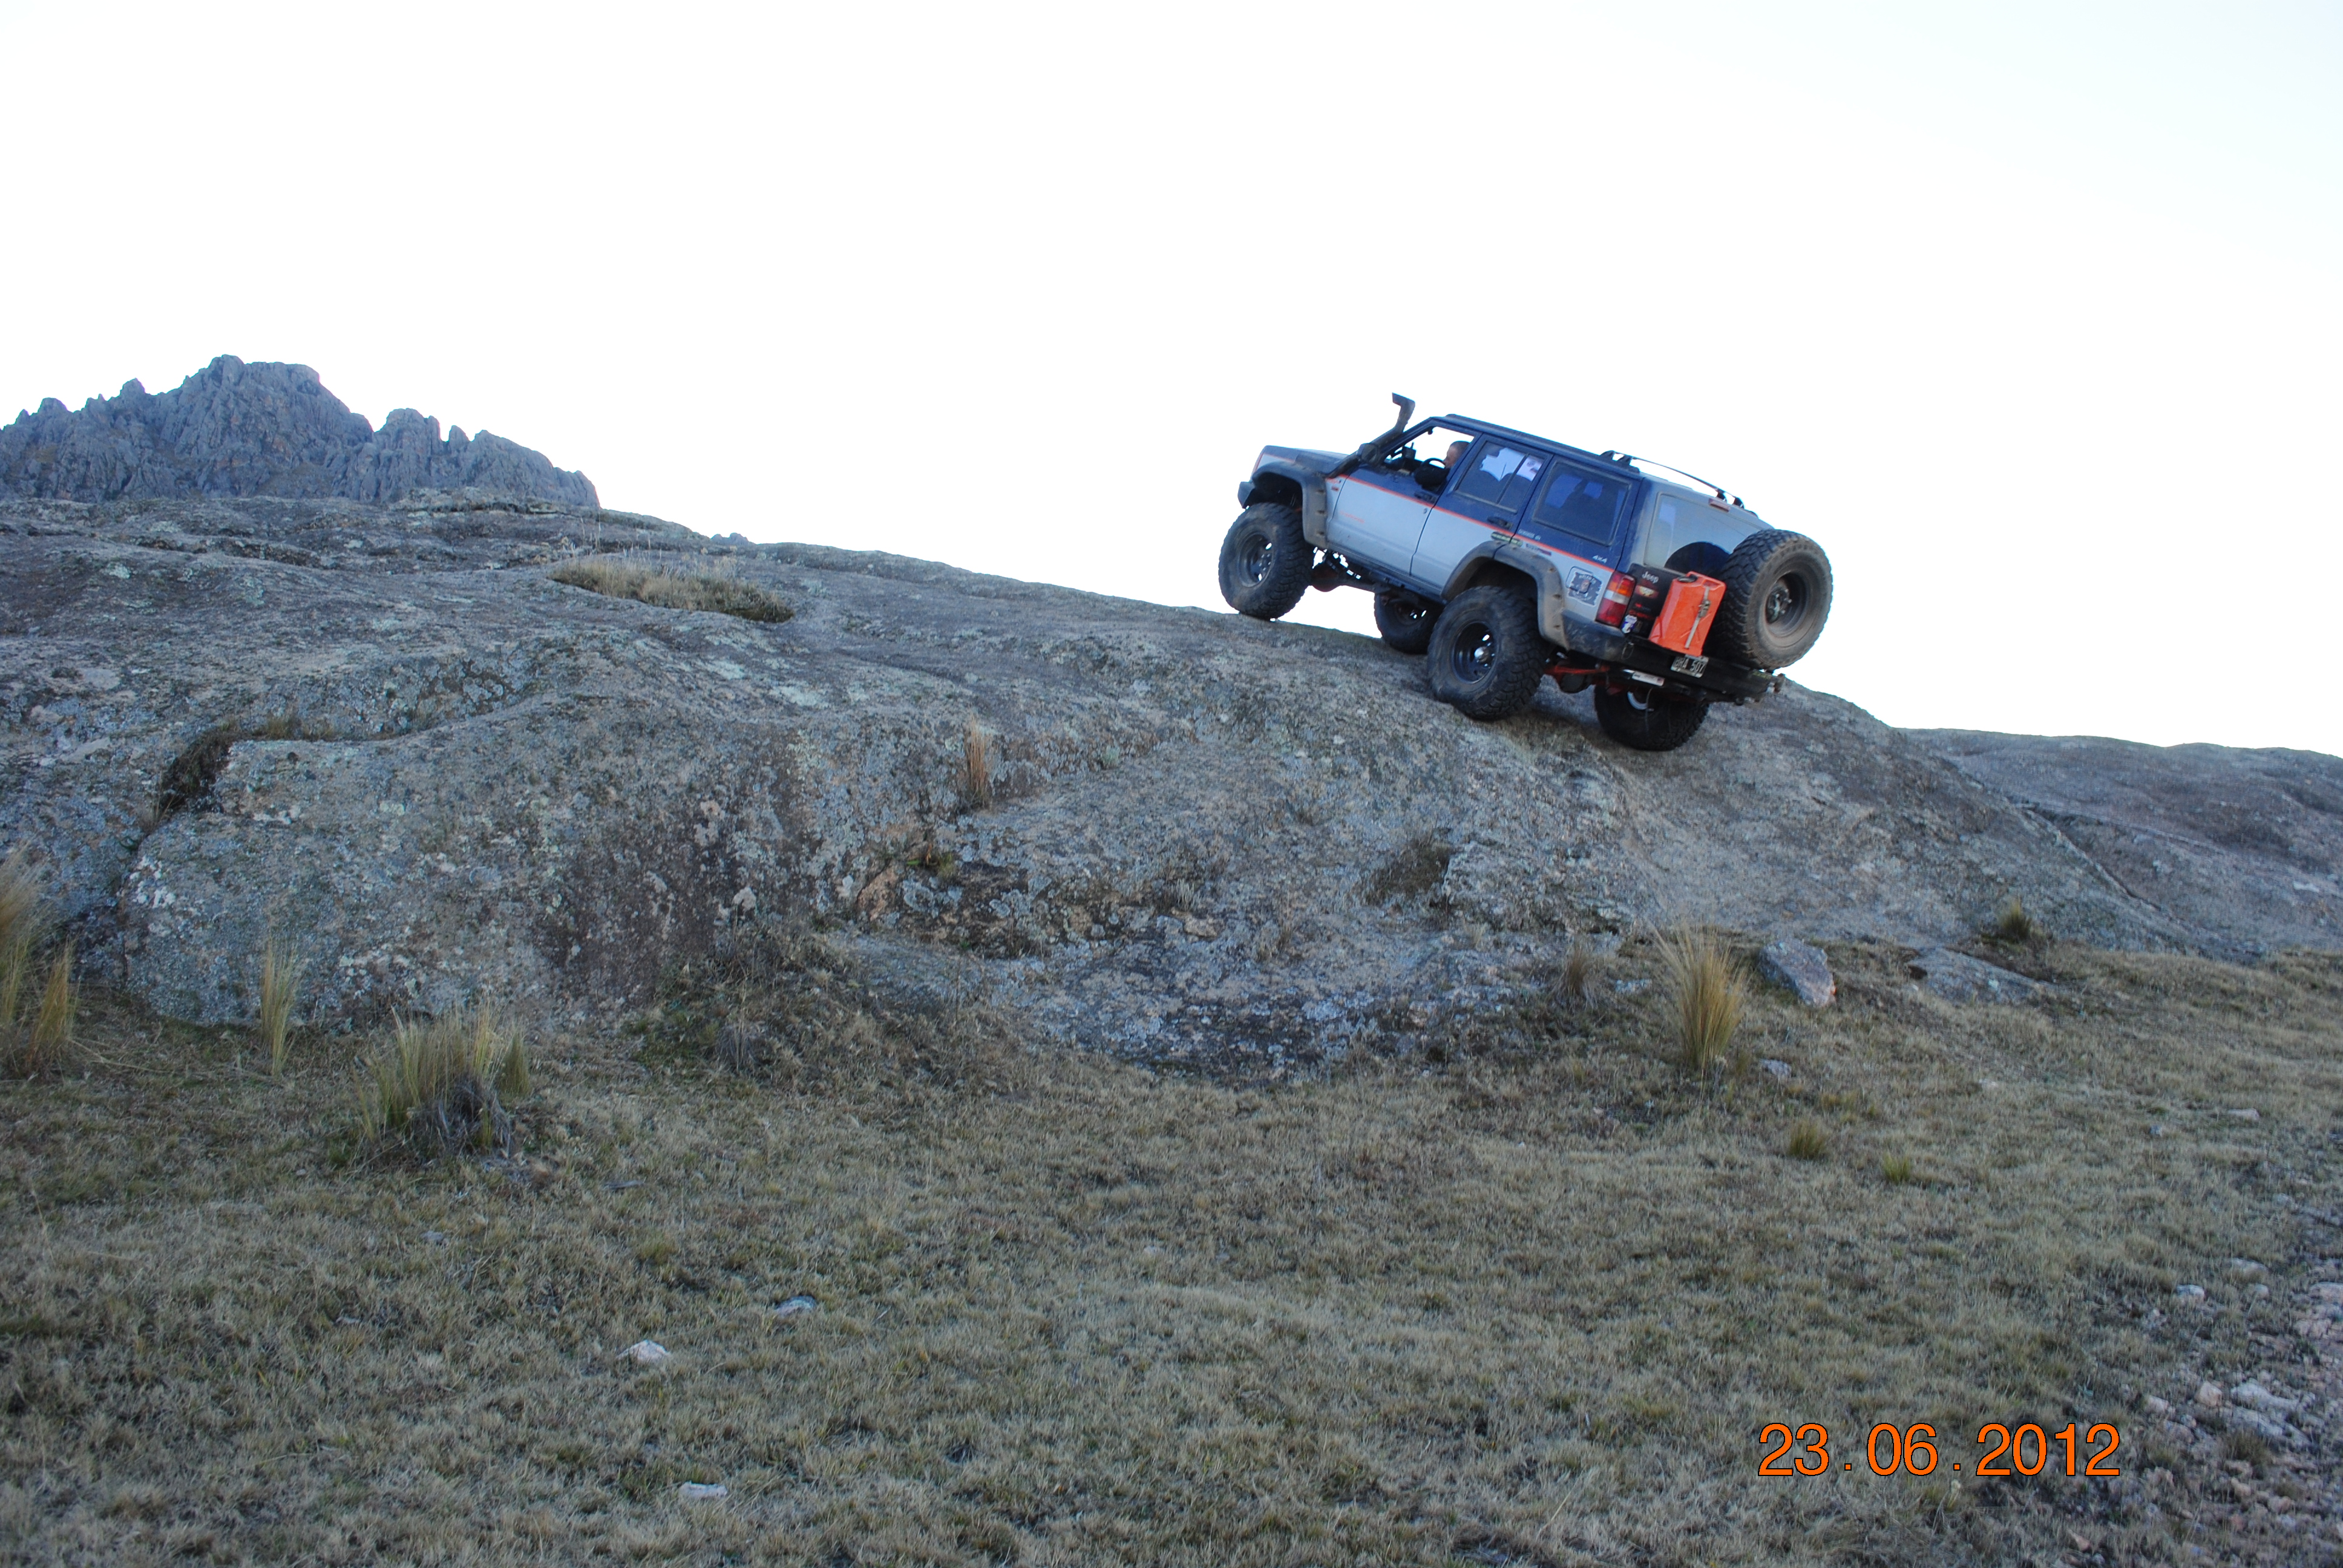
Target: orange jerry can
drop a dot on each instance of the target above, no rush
(1690, 610)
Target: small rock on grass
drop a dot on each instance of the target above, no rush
(704, 1492)
(649, 1354)
(2253, 1394)
(1957, 976)
(795, 1305)
(2189, 1292)
(1780, 1070)
(1802, 968)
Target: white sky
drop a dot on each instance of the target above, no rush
(2028, 312)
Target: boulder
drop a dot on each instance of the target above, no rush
(1958, 976)
(1799, 967)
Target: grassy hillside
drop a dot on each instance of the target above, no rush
(1528, 1298)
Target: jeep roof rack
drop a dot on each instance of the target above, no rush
(1706, 484)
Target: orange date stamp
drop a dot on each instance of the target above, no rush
(2026, 1450)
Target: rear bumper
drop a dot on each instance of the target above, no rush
(1591, 640)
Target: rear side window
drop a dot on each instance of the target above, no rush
(1500, 475)
(1585, 506)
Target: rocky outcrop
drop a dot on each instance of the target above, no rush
(2243, 846)
(238, 429)
(1200, 838)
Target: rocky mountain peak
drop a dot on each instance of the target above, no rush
(234, 429)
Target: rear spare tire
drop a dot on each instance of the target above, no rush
(1647, 722)
(1485, 654)
(1777, 593)
(1405, 619)
(1265, 561)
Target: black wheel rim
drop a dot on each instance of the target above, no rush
(1786, 604)
(1259, 552)
(1476, 652)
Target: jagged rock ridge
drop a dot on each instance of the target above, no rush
(270, 429)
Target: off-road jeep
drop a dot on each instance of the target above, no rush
(1508, 558)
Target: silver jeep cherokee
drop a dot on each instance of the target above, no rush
(1506, 557)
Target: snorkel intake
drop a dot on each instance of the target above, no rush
(1382, 442)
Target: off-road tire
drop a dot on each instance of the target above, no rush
(1405, 619)
(1265, 561)
(1647, 722)
(1485, 654)
(1777, 595)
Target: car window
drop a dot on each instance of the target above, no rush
(1582, 504)
(1500, 475)
(1425, 457)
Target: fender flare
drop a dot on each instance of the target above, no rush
(1541, 568)
(1294, 484)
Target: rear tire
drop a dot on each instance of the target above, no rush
(1485, 654)
(1647, 723)
(1265, 561)
(1405, 619)
(1777, 595)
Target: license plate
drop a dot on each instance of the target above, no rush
(1688, 664)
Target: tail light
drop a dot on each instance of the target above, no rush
(1612, 610)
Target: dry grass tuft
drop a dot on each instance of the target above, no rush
(1896, 1170)
(1711, 990)
(1807, 1140)
(740, 1045)
(2012, 924)
(280, 985)
(287, 724)
(36, 1043)
(1577, 975)
(52, 1021)
(21, 928)
(669, 588)
(512, 1072)
(976, 765)
(443, 1083)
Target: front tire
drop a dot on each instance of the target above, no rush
(1265, 561)
(1485, 654)
(1405, 619)
(1647, 722)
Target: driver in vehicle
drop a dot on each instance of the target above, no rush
(1433, 477)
